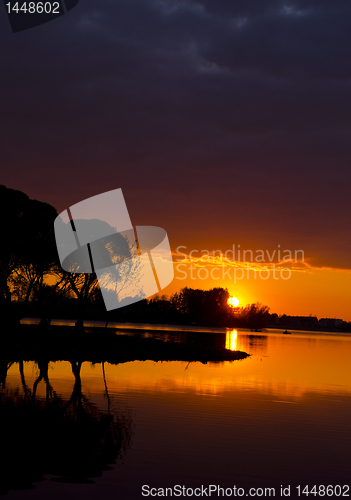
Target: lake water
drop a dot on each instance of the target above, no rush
(281, 417)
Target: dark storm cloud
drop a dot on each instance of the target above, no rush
(233, 116)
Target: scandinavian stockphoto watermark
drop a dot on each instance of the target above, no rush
(96, 236)
(236, 264)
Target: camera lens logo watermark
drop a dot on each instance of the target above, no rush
(97, 236)
(25, 15)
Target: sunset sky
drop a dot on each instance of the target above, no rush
(224, 122)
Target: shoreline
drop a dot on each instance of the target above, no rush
(166, 327)
(30, 343)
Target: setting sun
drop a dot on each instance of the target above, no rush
(233, 301)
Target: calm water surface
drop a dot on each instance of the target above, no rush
(280, 417)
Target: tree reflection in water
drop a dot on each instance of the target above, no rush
(73, 440)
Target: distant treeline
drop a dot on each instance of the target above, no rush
(33, 284)
(188, 306)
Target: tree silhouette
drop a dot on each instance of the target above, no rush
(256, 315)
(208, 307)
(115, 256)
(27, 252)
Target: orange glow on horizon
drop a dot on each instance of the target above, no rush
(324, 293)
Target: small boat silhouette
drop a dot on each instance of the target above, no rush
(286, 332)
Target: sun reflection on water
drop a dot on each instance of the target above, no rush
(231, 338)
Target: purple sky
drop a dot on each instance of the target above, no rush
(222, 121)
